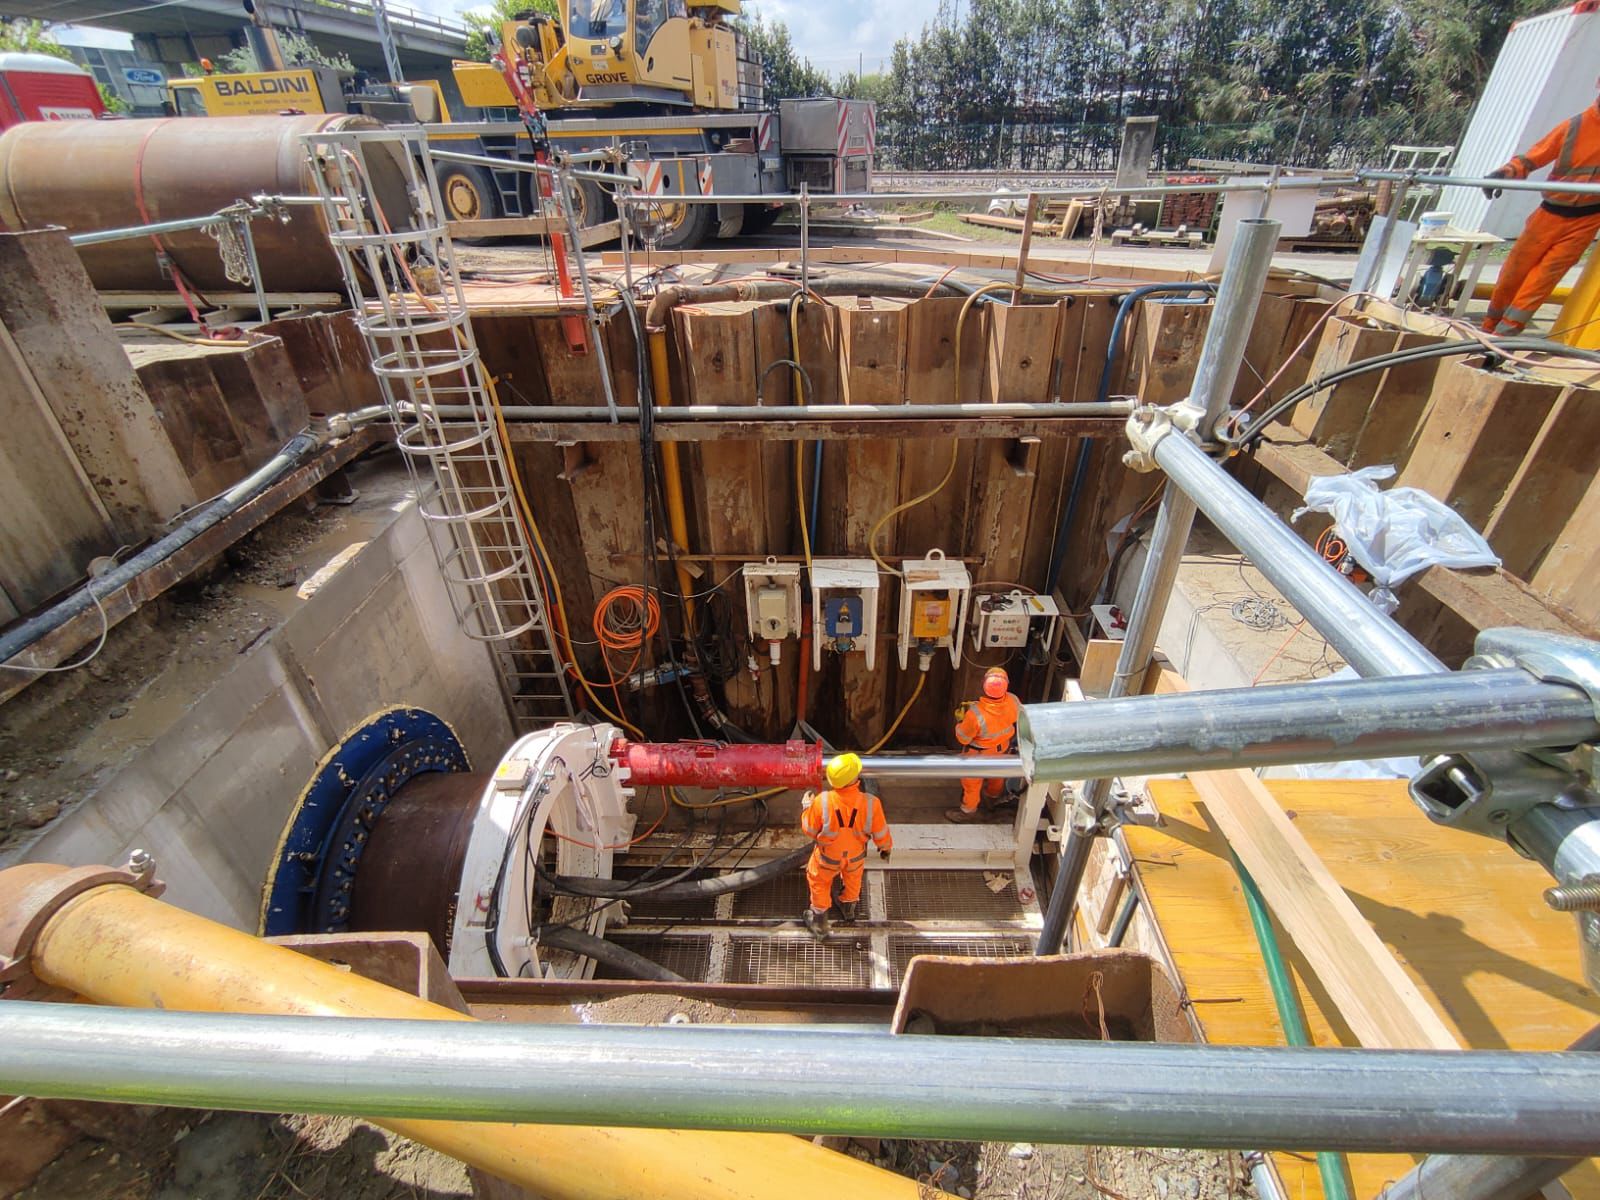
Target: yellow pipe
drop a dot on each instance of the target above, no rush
(672, 476)
(1579, 322)
(1484, 290)
(115, 945)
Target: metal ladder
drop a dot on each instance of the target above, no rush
(380, 199)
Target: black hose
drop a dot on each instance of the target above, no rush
(698, 889)
(1379, 362)
(24, 634)
(634, 966)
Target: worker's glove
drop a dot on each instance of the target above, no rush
(1495, 193)
(883, 854)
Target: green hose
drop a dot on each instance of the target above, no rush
(1330, 1165)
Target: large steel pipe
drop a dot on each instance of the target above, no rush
(93, 175)
(968, 1088)
(1304, 722)
(117, 946)
(1369, 641)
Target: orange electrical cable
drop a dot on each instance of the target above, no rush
(624, 619)
(665, 805)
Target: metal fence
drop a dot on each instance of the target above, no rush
(1299, 140)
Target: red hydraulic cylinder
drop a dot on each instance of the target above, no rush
(793, 764)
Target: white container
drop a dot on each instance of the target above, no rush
(1544, 74)
(1434, 222)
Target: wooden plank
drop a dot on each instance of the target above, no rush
(1381, 1004)
(871, 349)
(1390, 431)
(64, 336)
(1166, 347)
(1572, 564)
(1332, 417)
(1479, 427)
(72, 636)
(930, 331)
(1548, 486)
(1461, 912)
(54, 522)
(1265, 350)
(1098, 666)
(1019, 354)
(1003, 480)
(1484, 599)
(195, 418)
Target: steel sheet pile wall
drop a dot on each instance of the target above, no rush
(1000, 509)
(1511, 451)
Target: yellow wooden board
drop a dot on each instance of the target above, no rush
(1464, 916)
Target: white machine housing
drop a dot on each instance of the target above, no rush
(842, 588)
(772, 603)
(1009, 620)
(934, 594)
(558, 780)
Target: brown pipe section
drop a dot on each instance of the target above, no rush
(94, 175)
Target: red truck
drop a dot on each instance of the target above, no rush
(37, 87)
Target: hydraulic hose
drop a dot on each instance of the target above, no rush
(696, 889)
(24, 634)
(618, 958)
(1330, 1165)
(1080, 471)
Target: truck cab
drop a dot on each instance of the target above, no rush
(39, 87)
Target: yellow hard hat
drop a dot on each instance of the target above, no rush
(843, 770)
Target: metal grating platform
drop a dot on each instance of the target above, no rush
(903, 949)
(799, 962)
(646, 907)
(785, 896)
(688, 955)
(948, 895)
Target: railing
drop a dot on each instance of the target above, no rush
(398, 14)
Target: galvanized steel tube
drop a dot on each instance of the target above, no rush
(943, 766)
(1303, 722)
(1243, 281)
(1486, 1177)
(977, 1089)
(1369, 641)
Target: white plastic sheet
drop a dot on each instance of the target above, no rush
(1394, 534)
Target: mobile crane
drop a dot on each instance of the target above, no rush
(674, 88)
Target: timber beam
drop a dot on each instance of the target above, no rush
(832, 429)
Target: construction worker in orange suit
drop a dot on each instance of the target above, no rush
(987, 727)
(1560, 229)
(840, 821)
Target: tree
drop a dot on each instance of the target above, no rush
(29, 37)
(788, 74)
(487, 21)
(298, 51)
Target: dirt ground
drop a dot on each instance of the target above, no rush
(184, 1155)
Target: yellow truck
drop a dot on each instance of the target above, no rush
(304, 90)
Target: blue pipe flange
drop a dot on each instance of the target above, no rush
(314, 868)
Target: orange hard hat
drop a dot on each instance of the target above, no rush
(996, 682)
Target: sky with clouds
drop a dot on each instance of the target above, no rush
(836, 35)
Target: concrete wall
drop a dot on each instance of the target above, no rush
(210, 797)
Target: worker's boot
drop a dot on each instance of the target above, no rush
(962, 816)
(816, 920)
(847, 911)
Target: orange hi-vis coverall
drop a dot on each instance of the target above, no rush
(1560, 229)
(840, 822)
(986, 728)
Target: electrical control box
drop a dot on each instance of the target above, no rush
(844, 608)
(934, 594)
(1014, 619)
(772, 603)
